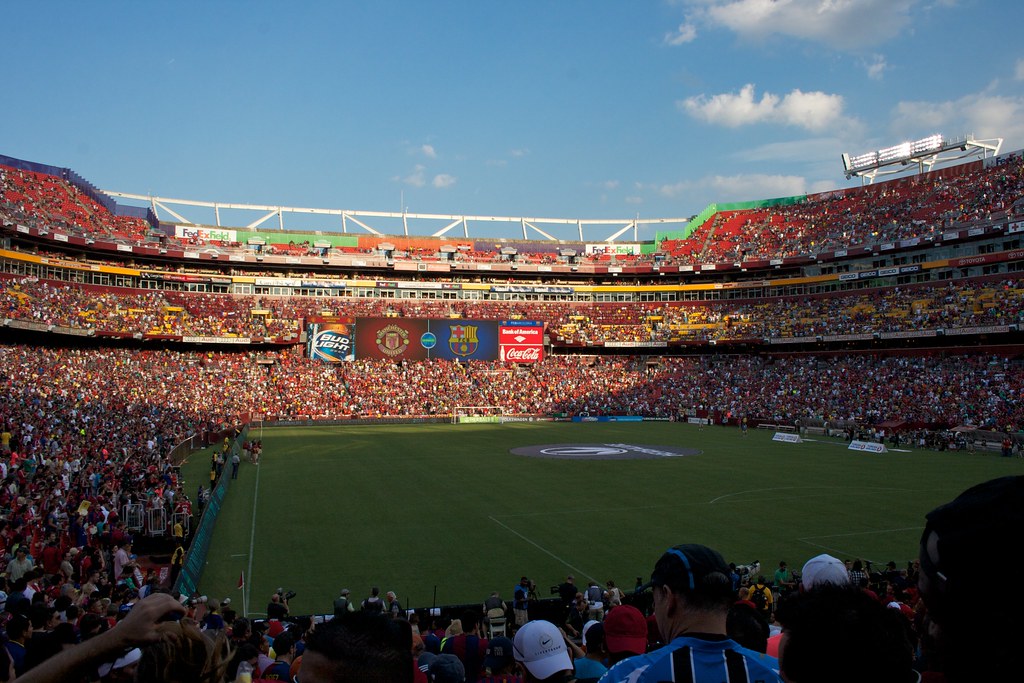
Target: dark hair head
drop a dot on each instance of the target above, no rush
(92, 625)
(17, 626)
(64, 634)
(243, 653)
(183, 653)
(360, 646)
(831, 624)
(283, 643)
(698, 573)
(979, 528)
(39, 614)
(470, 620)
(748, 627)
(240, 628)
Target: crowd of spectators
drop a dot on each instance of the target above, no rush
(223, 387)
(132, 311)
(960, 304)
(921, 207)
(54, 202)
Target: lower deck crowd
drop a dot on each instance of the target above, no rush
(84, 434)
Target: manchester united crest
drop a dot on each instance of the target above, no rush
(392, 340)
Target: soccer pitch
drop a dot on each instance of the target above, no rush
(444, 514)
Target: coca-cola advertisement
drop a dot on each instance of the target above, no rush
(521, 341)
(520, 354)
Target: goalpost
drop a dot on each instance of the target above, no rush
(477, 414)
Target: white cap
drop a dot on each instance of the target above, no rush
(121, 662)
(824, 569)
(539, 647)
(586, 627)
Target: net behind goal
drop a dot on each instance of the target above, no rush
(477, 414)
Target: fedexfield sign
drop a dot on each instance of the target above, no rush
(602, 451)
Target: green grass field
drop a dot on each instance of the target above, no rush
(420, 508)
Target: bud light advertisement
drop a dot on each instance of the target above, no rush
(331, 342)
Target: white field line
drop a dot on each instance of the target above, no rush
(576, 570)
(828, 491)
(843, 551)
(252, 541)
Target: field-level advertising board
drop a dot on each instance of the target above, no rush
(477, 414)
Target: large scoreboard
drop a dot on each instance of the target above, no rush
(512, 341)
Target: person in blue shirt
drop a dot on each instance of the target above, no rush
(692, 595)
(521, 602)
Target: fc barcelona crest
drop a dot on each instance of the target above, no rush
(463, 341)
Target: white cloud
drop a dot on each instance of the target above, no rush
(810, 110)
(821, 186)
(417, 178)
(429, 151)
(983, 115)
(610, 184)
(792, 151)
(735, 188)
(877, 67)
(443, 180)
(841, 24)
(686, 33)
(1019, 73)
(519, 153)
(730, 109)
(815, 111)
(633, 199)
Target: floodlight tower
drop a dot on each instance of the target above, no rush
(924, 154)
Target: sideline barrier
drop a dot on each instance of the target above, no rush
(868, 447)
(787, 438)
(195, 559)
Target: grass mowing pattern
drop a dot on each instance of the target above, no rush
(411, 507)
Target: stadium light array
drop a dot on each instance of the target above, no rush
(923, 153)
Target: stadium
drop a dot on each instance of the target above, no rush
(278, 411)
(168, 343)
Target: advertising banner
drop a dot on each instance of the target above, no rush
(787, 438)
(521, 341)
(186, 232)
(612, 248)
(418, 339)
(464, 339)
(331, 342)
(867, 447)
(395, 338)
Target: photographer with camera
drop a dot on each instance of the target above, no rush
(277, 608)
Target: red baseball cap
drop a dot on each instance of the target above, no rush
(625, 630)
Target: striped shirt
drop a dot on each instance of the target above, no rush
(688, 659)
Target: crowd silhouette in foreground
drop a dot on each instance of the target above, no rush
(693, 624)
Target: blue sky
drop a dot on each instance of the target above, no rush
(569, 109)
